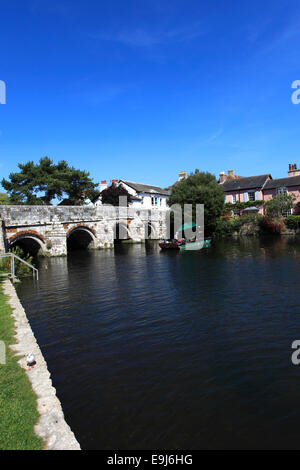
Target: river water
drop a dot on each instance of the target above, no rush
(152, 350)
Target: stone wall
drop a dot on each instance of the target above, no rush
(50, 226)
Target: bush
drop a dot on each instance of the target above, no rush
(21, 269)
(293, 222)
(226, 227)
(274, 225)
(279, 205)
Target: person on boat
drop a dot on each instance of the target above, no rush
(176, 239)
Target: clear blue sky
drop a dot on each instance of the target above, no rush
(140, 90)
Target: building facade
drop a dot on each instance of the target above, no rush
(143, 196)
(261, 187)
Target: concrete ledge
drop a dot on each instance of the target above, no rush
(51, 427)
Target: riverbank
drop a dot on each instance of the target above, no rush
(18, 408)
(31, 414)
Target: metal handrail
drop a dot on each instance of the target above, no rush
(12, 257)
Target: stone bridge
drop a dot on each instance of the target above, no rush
(53, 230)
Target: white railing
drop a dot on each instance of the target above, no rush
(14, 257)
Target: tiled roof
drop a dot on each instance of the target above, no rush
(278, 182)
(248, 182)
(146, 188)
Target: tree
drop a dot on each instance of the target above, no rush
(41, 183)
(200, 188)
(4, 199)
(111, 195)
(280, 205)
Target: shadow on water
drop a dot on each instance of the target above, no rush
(153, 350)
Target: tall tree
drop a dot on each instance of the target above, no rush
(200, 188)
(41, 183)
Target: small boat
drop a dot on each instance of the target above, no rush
(195, 246)
(170, 245)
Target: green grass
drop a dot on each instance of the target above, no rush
(18, 407)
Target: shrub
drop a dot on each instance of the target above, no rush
(293, 222)
(272, 224)
(21, 269)
(279, 205)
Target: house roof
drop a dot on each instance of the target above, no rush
(278, 182)
(146, 188)
(247, 182)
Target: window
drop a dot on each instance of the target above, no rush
(287, 213)
(155, 199)
(251, 196)
(152, 200)
(233, 198)
(282, 190)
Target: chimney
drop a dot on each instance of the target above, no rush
(103, 185)
(114, 181)
(222, 176)
(293, 170)
(231, 173)
(182, 175)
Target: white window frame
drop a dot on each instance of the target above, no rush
(251, 194)
(282, 190)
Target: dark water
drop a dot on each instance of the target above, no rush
(152, 350)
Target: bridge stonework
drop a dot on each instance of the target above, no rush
(50, 226)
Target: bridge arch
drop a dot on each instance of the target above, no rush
(149, 231)
(121, 232)
(80, 237)
(29, 241)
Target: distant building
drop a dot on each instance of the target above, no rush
(261, 187)
(289, 185)
(144, 196)
(243, 189)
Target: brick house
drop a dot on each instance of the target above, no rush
(261, 187)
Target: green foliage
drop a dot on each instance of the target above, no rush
(4, 199)
(52, 180)
(21, 270)
(279, 205)
(228, 226)
(200, 188)
(18, 407)
(111, 195)
(239, 206)
(293, 222)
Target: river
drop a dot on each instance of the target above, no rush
(153, 350)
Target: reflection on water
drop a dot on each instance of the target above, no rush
(159, 350)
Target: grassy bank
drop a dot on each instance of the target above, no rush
(18, 412)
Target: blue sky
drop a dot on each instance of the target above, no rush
(140, 90)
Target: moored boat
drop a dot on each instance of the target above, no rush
(196, 245)
(170, 245)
